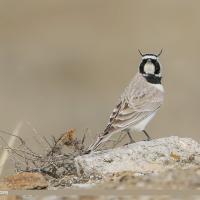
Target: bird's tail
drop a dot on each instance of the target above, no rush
(101, 138)
(94, 146)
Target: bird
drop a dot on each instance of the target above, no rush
(139, 102)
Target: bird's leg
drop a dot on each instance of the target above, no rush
(148, 137)
(130, 137)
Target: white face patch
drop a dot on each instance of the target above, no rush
(149, 68)
(149, 56)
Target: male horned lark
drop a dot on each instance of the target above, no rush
(138, 103)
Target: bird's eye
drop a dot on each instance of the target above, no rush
(157, 67)
(142, 64)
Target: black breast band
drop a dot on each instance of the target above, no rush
(153, 79)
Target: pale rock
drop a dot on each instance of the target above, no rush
(142, 157)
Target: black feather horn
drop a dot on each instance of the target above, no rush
(140, 52)
(160, 53)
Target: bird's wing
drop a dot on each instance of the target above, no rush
(136, 105)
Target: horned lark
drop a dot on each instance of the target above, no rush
(138, 103)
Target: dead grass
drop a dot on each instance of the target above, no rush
(54, 162)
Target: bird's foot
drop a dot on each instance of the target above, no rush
(129, 143)
(148, 139)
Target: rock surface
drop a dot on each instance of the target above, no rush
(142, 157)
(173, 179)
(24, 181)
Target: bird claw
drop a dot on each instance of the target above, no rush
(129, 143)
(148, 139)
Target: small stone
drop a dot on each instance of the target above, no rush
(24, 180)
(61, 171)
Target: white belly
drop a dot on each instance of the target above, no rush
(141, 125)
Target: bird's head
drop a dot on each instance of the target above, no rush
(150, 66)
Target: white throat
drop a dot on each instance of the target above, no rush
(159, 87)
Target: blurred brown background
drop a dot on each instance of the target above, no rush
(64, 63)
